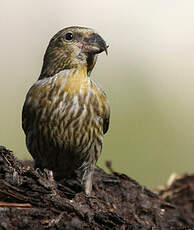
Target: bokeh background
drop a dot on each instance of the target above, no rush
(148, 77)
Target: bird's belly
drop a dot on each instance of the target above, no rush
(66, 132)
(73, 125)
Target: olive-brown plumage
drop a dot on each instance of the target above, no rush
(66, 113)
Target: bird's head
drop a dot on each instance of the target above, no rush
(70, 48)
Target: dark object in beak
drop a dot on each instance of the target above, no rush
(95, 44)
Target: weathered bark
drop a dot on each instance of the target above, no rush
(30, 199)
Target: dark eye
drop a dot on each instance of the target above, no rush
(69, 36)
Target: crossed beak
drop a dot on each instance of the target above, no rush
(95, 44)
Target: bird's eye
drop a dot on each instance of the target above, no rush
(69, 36)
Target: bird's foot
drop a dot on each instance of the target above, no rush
(89, 196)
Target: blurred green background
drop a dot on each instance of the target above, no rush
(148, 77)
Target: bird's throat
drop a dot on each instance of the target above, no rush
(91, 61)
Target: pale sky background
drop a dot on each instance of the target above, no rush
(148, 76)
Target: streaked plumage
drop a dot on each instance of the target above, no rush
(66, 113)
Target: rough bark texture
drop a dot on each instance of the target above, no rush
(30, 199)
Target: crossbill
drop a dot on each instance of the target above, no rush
(66, 113)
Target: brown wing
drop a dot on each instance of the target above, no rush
(106, 112)
(106, 120)
(106, 125)
(27, 117)
(28, 111)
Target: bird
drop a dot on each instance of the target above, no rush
(66, 113)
